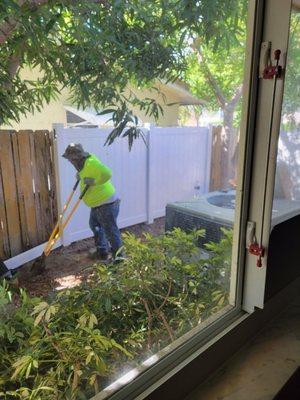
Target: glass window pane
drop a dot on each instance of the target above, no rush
(286, 203)
(92, 321)
(179, 277)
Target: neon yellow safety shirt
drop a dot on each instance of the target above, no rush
(103, 188)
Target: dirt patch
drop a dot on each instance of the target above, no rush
(68, 266)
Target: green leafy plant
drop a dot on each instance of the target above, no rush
(71, 346)
(50, 352)
(219, 268)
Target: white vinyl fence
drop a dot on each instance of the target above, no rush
(175, 165)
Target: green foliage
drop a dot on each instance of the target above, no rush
(97, 47)
(219, 266)
(226, 68)
(185, 113)
(291, 97)
(70, 347)
(49, 351)
(215, 71)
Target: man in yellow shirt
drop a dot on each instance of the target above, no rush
(101, 198)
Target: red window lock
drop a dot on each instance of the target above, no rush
(272, 71)
(257, 251)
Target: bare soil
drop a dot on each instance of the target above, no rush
(67, 267)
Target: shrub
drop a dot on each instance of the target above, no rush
(71, 346)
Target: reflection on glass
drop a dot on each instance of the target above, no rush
(286, 203)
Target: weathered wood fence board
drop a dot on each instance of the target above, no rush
(27, 190)
(46, 199)
(10, 205)
(223, 159)
(4, 242)
(52, 195)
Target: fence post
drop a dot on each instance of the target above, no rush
(60, 176)
(209, 135)
(150, 186)
(218, 162)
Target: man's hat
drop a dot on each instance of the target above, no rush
(75, 149)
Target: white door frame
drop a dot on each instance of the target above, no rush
(276, 31)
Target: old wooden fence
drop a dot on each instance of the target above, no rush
(28, 207)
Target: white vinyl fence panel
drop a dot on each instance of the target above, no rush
(179, 165)
(173, 166)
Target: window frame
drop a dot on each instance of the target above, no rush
(267, 129)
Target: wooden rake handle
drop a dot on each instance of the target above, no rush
(58, 224)
(59, 227)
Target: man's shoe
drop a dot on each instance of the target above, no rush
(119, 259)
(98, 255)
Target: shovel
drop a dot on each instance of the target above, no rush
(40, 263)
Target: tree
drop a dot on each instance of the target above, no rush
(215, 73)
(193, 111)
(97, 47)
(291, 97)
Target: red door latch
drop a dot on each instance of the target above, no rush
(257, 251)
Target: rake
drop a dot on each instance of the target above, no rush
(40, 263)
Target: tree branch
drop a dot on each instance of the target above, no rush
(75, 381)
(11, 24)
(167, 326)
(13, 64)
(7, 27)
(162, 316)
(56, 346)
(213, 83)
(236, 97)
(150, 322)
(167, 295)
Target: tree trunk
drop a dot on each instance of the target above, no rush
(230, 143)
(228, 113)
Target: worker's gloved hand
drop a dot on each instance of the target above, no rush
(89, 181)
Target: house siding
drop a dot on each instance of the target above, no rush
(54, 112)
